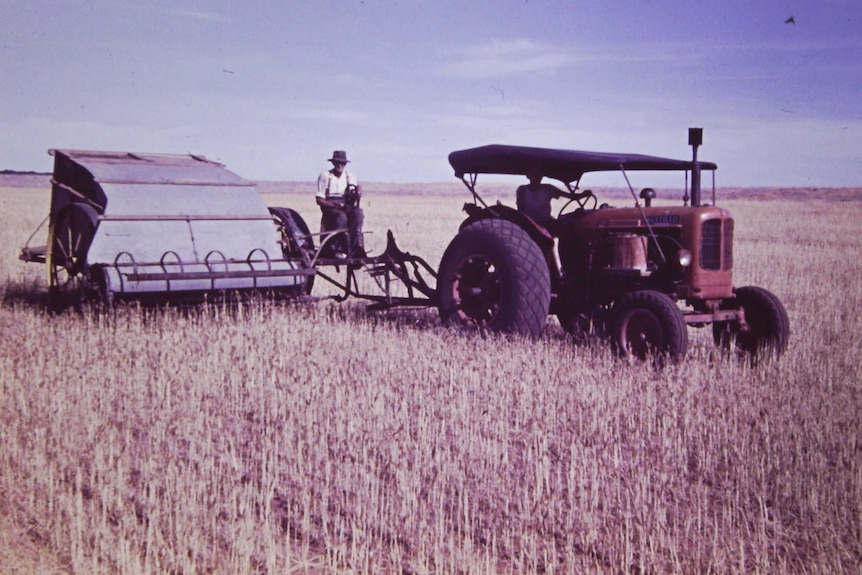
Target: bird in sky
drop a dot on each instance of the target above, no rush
(791, 20)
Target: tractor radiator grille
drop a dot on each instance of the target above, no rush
(710, 245)
(728, 244)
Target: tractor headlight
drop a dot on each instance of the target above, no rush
(683, 257)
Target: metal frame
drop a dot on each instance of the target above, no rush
(392, 266)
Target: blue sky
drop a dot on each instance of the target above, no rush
(270, 88)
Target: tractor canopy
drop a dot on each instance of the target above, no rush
(564, 165)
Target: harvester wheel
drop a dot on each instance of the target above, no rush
(767, 325)
(296, 239)
(493, 276)
(648, 324)
(296, 234)
(100, 282)
(71, 234)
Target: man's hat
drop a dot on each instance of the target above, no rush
(339, 156)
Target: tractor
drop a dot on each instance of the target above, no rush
(638, 276)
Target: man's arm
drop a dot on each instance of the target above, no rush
(352, 181)
(554, 191)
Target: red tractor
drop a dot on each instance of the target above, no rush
(619, 272)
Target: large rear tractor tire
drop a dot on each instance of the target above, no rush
(493, 276)
(648, 325)
(767, 327)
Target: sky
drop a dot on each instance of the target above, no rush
(271, 87)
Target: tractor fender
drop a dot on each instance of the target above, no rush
(502, 212)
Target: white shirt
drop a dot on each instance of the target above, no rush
(330, 186)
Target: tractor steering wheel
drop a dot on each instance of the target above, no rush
(582, 199)
(352, 196)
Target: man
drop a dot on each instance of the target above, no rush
(338, 197)
(534, 199)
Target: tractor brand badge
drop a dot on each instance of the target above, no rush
(663, 220)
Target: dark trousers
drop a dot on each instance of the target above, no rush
(349, 219)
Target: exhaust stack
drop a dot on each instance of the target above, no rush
(695, 139)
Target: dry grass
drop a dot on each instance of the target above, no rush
(275, 438)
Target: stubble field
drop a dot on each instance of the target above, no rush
(316, 438)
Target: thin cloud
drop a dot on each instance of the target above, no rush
(170, 11)
(333, 114)
(789, 45)
(500, 58)
(504, 58)
(198, 15)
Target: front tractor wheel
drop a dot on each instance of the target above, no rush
(648, 324)
(766, 330)
(493, 276)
